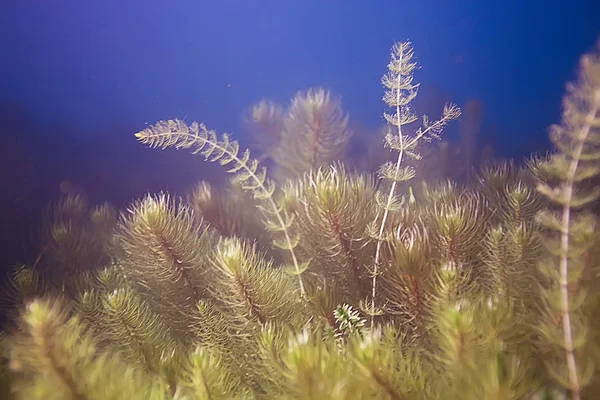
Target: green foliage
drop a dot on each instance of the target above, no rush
(163, 255)
(333, 209)
(250, 286)
(401, 91)
(315, 133)
(248, 174)
(409, 279)
(205, 377)
(55, 357)
(470, 348)
(311, 133)
(77, 240)
(129, 325)
(227, 212)
(348, 320)
(388, 369)
(409, 290)
(23, 285)
(265, 120)
(306, 366)
(571, 232)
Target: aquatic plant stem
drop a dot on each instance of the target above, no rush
(157, 138)
(292, 253)
(388, 203)
(564, 249)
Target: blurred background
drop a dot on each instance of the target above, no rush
(79, 78)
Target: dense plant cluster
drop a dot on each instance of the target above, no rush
(321, 280)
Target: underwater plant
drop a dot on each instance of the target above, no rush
(312, 132)
(251, 177)
(571, 229)
(323, 282)
(401, 92)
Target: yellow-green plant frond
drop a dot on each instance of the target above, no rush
(70, 253)
(165, 255)
(307, 366)
(511, 193)
(384, 202)
(390, 172)
(76, 242)
(537, 164)
(271, 342)
(348, 322)
(55, 357)
(390, 369)
(120, 320)
(104, 216)
(333, 209)
(495, 176)
(6, 377)
(315, 133)
(457, 226)
(249, 175)
(209, 205)
(441, 192)
(512, 245)
(266, 123)
(476, 362)
(247, 284)
(209, 324)
(23, 285)
(571, 230)
(231, 212)
(401, 91)
(510, 254)
(198, 138)
(204, 376)
(324, 296)
(409, 280)
(217, 330)
(458, 341)
(570, 358)
(104, 222)
(249, 293)
(70, 207)
(410, 214)
(111, 278)
(408, 144)
(131, 326)
(522, 203)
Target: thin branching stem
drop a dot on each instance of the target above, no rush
(564, 253)
(388, 203)
(152, 137)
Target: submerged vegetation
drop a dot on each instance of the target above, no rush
(321, 280)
